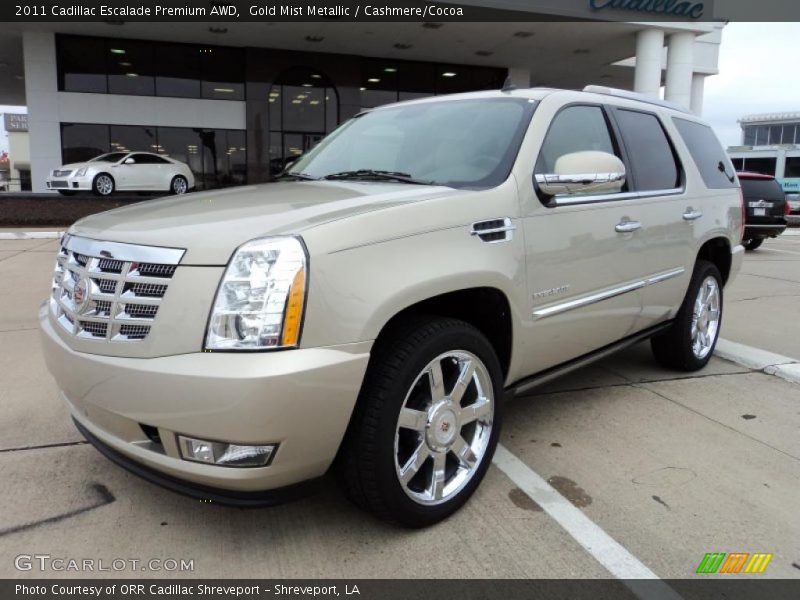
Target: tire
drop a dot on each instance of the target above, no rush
(379, 449)
(103, 184)
(689, 343)
(179, 185)
(753, 243)
(67, 192)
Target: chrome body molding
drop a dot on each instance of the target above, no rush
(590, 198)
(606, 294)
(495, 234)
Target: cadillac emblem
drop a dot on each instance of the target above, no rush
(80, 294)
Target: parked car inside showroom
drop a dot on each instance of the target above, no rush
(123, 171)
(765, 208)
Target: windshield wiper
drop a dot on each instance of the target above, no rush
(375, 174)
(297, 175)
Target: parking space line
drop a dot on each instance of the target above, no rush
(603, 548)
(31, 235)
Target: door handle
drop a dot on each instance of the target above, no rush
(692, 214)
(628, 226)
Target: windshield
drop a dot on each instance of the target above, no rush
(458, 143)
(110, 157)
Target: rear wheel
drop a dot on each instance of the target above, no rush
(103, 184)
(427, 422)
(753, 243)
(690, 342)
(179, 185)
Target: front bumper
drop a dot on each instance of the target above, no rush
(75, 184)
(299, 399)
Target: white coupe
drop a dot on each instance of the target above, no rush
(123, 172)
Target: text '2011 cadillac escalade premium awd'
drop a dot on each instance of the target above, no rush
(373, 310)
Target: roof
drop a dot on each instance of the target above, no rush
(751, 175)
(771, 117)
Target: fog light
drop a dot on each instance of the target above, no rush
(223, 454)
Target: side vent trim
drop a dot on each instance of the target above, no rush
(494, 231)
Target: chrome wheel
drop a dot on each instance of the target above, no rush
(706, 317)
(104, 185)
(179, 185)
(444, 427)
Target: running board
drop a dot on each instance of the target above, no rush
(548, 375)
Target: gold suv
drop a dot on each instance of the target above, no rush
(373, 309)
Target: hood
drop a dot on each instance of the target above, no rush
(211, 225)
(71, 166)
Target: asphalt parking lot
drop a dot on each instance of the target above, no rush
(670, 467)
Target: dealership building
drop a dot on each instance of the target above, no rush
(237, 100)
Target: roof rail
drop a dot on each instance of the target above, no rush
(628, 95)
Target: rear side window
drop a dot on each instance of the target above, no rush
(575, 129)
(713, 163)
(762, 189)
(649, 151)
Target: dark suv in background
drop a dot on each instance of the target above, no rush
(765, 208)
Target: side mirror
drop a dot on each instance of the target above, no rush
(129, 161)
(589, 172)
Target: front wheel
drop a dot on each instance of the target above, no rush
(179, 185)
(753, 243)
(689, 343)
(103, 184)
(426, 424)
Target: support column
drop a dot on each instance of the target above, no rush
(680, 67)
(698, 92)
(649, 54)
(41, 96)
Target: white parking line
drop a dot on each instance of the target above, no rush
(760, 360)
(31, 235)
(771, 249)
(605, 549)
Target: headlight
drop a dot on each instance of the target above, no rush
(260, 300)
(81, 172)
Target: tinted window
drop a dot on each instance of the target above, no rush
(765, 166)
(148, 159)
(652, 160)
(223, 73)
(80, 142)
(132, 138)
(792, 167)
(762, 189)
(738, 164)
(81, 65)
(111, 157)
(575, 129)
(713, 163)
(178, 71)
(130, 68)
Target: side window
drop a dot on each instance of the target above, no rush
(575, 129)
(713, 163)
(148, 159)
(652, 160)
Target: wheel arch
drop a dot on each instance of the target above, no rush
(717, 250)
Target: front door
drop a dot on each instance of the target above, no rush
(584, 262)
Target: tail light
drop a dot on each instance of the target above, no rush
(786, 208)
(741, 203)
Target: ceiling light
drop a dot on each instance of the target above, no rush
(403, 46)
(125, 64)
(523, 34)
(117, 51)
(363, 89)
(297, 101)
(224, 90)
(316, 76)
(218, 29)
(131, 74)
(314, 38)
(390, 70)
(314, 102)
(308, 85)
(433, 25)
(373, 80)
(448, 74)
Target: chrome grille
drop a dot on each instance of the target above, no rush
(110, 291)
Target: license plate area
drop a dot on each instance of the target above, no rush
(759, 212)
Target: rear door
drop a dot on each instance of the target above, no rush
(668, 213)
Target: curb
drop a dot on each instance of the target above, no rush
(759, 360)
(31, 235)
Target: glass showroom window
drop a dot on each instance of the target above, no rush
(185, 145)
(82, 65)
(80, 142)
(792, 167)
(130, 68)
(178, 71)
(132, 138)
(223, 73)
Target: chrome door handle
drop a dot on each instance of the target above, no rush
(628, 226)
(692, 214)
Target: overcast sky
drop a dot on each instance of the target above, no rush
(758, 74)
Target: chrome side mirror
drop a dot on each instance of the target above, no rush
(588, 172)
(129, 161)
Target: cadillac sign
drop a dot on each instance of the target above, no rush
(668, 8)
